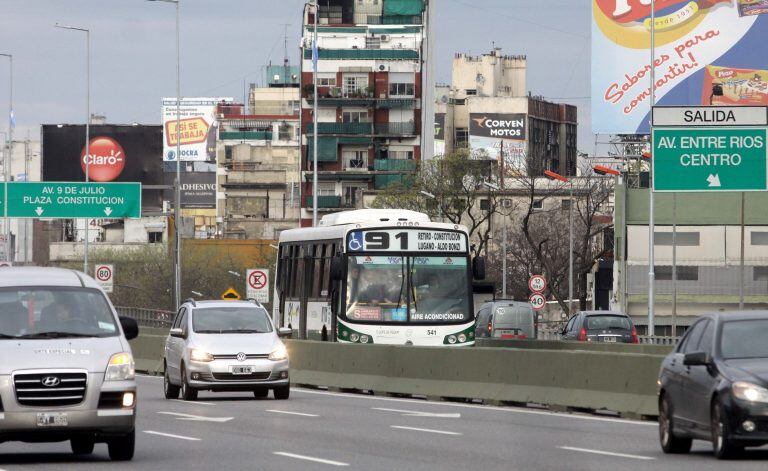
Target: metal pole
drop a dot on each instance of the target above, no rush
(177, 197)
(315, 46)
(503, 227)
(674, 264)
(87, 135)
(570, 249)
(741, 260)
(651, 273)
(7, 160)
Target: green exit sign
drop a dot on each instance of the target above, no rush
(710, 159)
(72, 200)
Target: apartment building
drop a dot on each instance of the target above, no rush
(371, 70)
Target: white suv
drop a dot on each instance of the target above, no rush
(225, 346)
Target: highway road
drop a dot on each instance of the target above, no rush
(318, 430)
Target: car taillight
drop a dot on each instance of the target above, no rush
(521, 337)
(583, 335)
(489, 328)
(635, 339)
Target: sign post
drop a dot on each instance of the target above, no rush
(105, 276)
(257, 285)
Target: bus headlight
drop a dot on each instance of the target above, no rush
(451, 339)
(120, 368)
(462, 338)
(364, 339)
(354, 337)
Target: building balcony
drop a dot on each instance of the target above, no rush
(342, 128)
(364, 54)
(395, 129)
(324, 202)
(380, 182)
(394, 165)
(245, 135)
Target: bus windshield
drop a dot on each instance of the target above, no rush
(396, 289)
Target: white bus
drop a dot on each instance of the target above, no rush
(377, 276)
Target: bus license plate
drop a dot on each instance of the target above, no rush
(52, 419)
(241, 370)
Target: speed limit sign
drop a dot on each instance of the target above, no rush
(537, 301)
(537, 283)
(105, 276)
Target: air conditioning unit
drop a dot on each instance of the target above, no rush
(385, 37)
(382, 68)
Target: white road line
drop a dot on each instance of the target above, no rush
(291, 413)
(428, 430)
(607, 453)
(309, 458)
(196, 418)
(416, 413)
(514, 410)
(194, 403)
(170, 435)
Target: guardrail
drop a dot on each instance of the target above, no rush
(147, 317)
(644, 339)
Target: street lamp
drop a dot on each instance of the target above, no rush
(7, 161)
(495, 187)
(557, 176)
(177, 182)
(87, 124)
(234, 273)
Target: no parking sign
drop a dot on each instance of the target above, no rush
(257, 284)
(105, 276)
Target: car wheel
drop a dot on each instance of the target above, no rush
(187, 392)
(669, 442)
(82, 445)
(170, 390)
(260, 393)
(122, 448)
(283, 392)
(722, 444)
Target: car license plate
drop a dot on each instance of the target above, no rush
(241, 370)
(52, 419)
(609, 339)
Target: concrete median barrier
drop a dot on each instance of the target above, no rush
(621, 382)
(573, 345)
(148, 349)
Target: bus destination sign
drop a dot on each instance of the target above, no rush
(406, 240)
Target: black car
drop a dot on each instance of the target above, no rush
(714, 385)
(600, 326)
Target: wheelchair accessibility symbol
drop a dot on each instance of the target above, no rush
(355, 241)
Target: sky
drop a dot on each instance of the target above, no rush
(226, 43)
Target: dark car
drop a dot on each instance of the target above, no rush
(600, 326)
(714, 385)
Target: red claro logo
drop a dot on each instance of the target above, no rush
(106, 160)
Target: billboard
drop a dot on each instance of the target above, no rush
(118, 153)
(494, 133)
(197, 128)
(198, 189)
(699, 43)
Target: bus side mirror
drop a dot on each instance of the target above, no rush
(337, 268)
(478, 268)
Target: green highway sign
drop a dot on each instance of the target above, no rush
(72, 200)
(710, 159)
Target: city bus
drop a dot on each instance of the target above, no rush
(377, 276)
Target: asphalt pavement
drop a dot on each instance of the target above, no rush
(318, 430)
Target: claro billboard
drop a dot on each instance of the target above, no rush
(118, 153)
(699, 44)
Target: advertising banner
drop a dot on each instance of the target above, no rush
(118, 153)
(439, 133)
(494, 134)
(198, 189)
(197, 128)
(699, 44)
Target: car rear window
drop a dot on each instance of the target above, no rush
(606, 322)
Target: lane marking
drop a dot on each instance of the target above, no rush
(415, 413)
(607, 453)
(515, 410)
(428, 430)
(170, 435)
(310, 458)
(196, 418)
(194, 402)
(291, 413)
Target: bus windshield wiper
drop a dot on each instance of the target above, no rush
(54, 335)
(6, 336)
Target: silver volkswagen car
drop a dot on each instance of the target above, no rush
(224, 346)
(66, 369)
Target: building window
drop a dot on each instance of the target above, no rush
(326, 189)
(402, 89)
(355, 117)
(684, 273)
(355, 159)
(485, 204)
(400, 154)
(326, 81)
(227, 152)
(760, 273)
(565, 205)
(354, 85)
(759, 238)
(155, 237)
(457, 101)
(684, 239)
(285, 132)
(471, 92)
(462, 137)
(538, 204)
